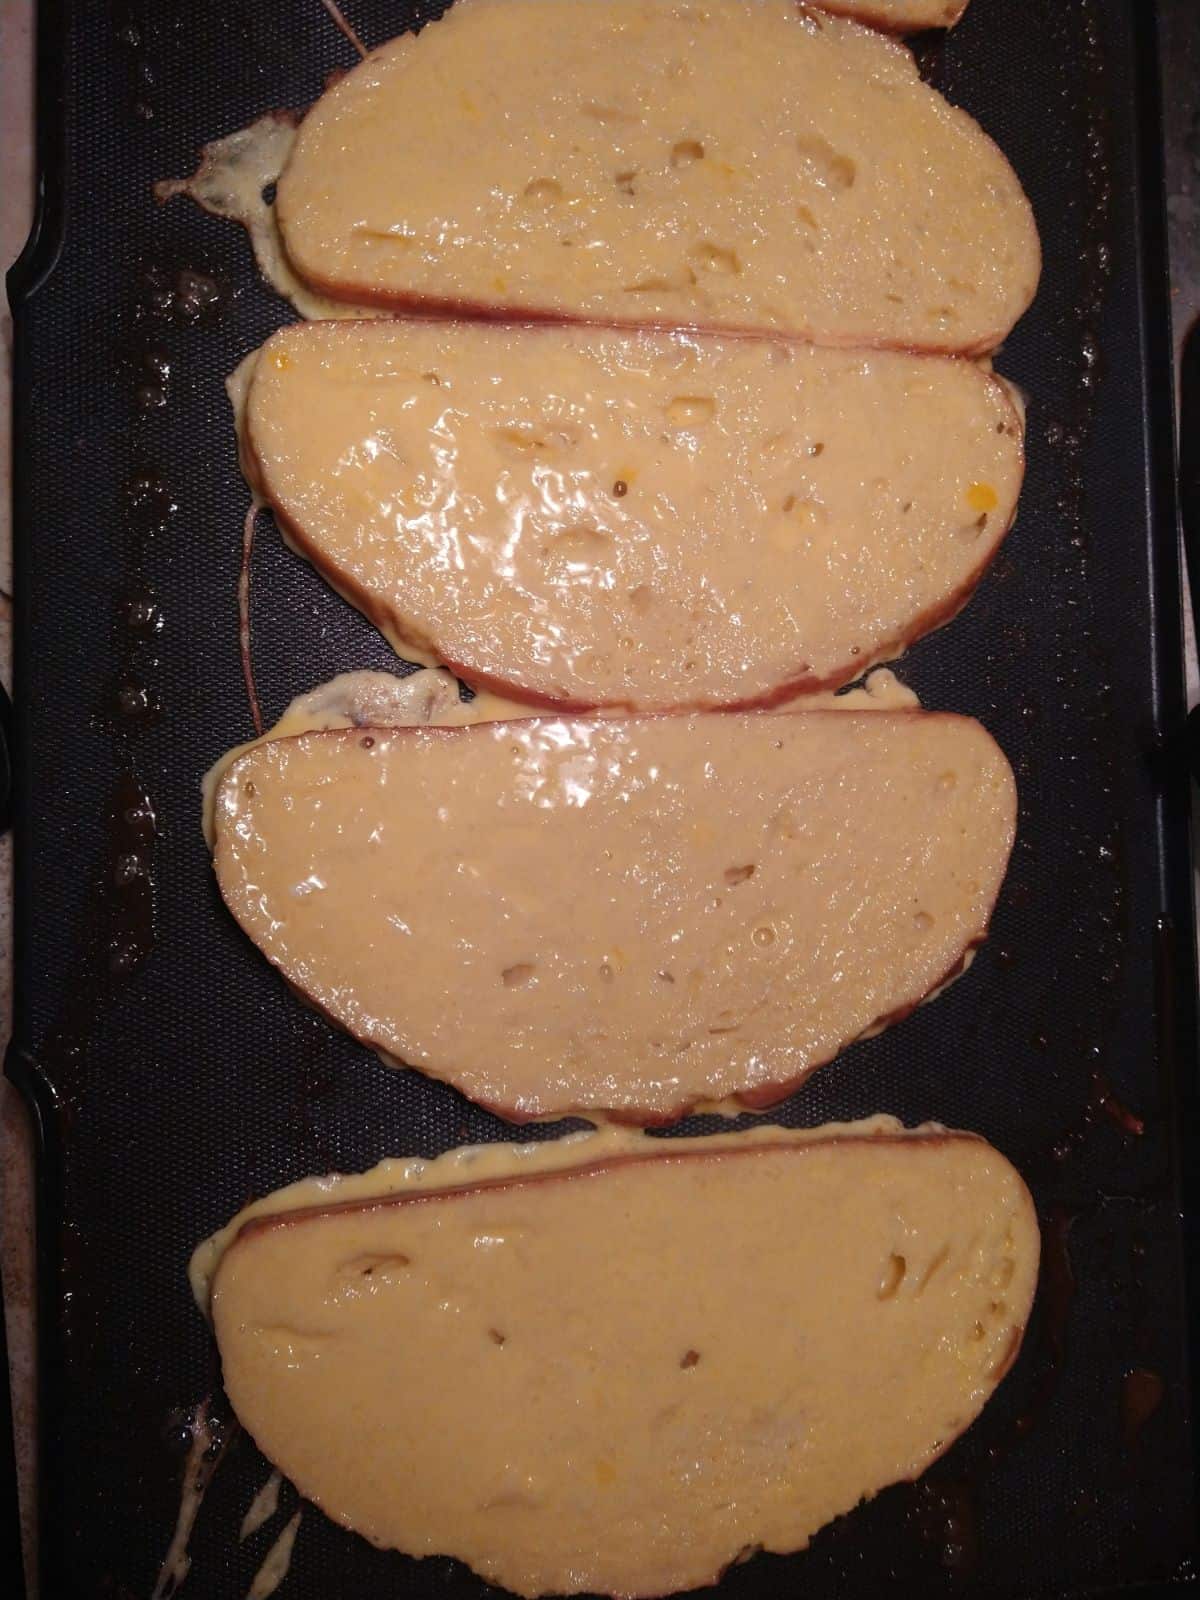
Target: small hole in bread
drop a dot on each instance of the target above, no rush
(657, 283)
(716, 258)
(368, 1266)
(736, 875)
(600, 112)
(825, 165)
(809, 515)
(543, 191)
(892, 1276)
(518, 975)
(685, 152)
(580, 546)
(520, 436)
(934, 1267)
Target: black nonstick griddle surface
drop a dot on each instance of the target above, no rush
(175, 1077)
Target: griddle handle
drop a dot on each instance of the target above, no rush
(10, 1525)
(6, 772)
(1189, 499)
(10, 1505)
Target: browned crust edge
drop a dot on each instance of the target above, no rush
(673, 1152)
(411, 303)
(759, 1099)
(803, 681)
(862, 11)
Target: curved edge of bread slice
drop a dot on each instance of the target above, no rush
(459, 1357)
(648, 194)
(898, 16)
(625, 917)
(584, 518)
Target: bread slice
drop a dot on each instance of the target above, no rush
(615, 1365)
(747, 164)
(582, 517)
(629, 916)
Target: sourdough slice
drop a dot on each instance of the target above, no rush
(748, 164)
(631, 916)
(614, 1365)
(582, 517)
